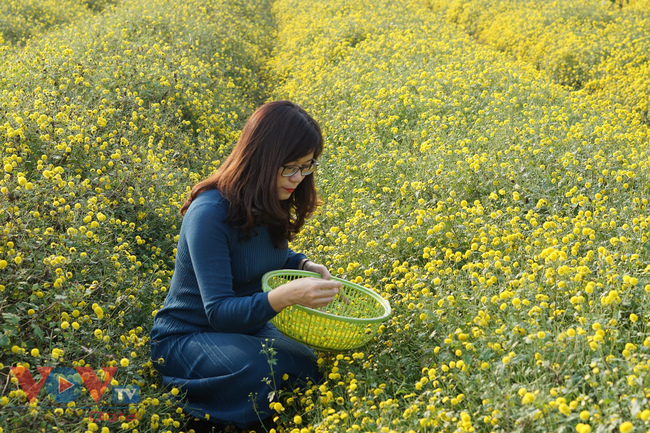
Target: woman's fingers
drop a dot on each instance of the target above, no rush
(324, 291)
(326, 274)
(322, 270)
(327, 284)
(309, 292)
(319, 292)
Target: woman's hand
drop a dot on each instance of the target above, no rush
(315, 267)
(322, 270)
(309, 292)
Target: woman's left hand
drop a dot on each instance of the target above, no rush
(322, 270)
(315, 267)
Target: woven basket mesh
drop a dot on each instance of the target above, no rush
(349, 321)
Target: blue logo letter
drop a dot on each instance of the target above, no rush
(126, 394)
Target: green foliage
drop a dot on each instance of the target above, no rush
(22, 19)
(494, 208)
(599, 50)
(504, 215)
(106, 124)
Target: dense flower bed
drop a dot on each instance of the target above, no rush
(589, 45)
(502, 214)
(504, 217)
(106, 123)
(22, 19)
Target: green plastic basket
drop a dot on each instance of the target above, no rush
(349, 321)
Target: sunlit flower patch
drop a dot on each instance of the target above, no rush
(504, 217)
(105, 125)
(22, 19)
(595, 47)
(502, 214)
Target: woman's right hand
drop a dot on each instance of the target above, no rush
(308, 292)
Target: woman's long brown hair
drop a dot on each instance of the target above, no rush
(278, 132)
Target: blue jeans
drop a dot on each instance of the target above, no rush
(227, 375)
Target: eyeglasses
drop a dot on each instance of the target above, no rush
(290, 170)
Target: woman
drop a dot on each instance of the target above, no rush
(236, 227)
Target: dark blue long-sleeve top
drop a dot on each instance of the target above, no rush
(217, 279)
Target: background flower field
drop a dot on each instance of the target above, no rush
(496, 195)
(22, 19)
(599, 50)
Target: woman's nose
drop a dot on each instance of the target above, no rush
(296, 177)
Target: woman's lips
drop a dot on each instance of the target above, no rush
(290, 190)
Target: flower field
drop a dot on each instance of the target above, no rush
(600, 50)
(105, 124)
(22, 19)
(503, 213)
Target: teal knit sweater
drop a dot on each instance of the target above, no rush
(217, 279)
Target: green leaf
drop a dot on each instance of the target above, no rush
(37, 331)
(11, 319)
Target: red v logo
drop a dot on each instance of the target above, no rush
(26, 381)
(90, 379)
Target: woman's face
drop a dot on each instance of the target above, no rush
(286, 185)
